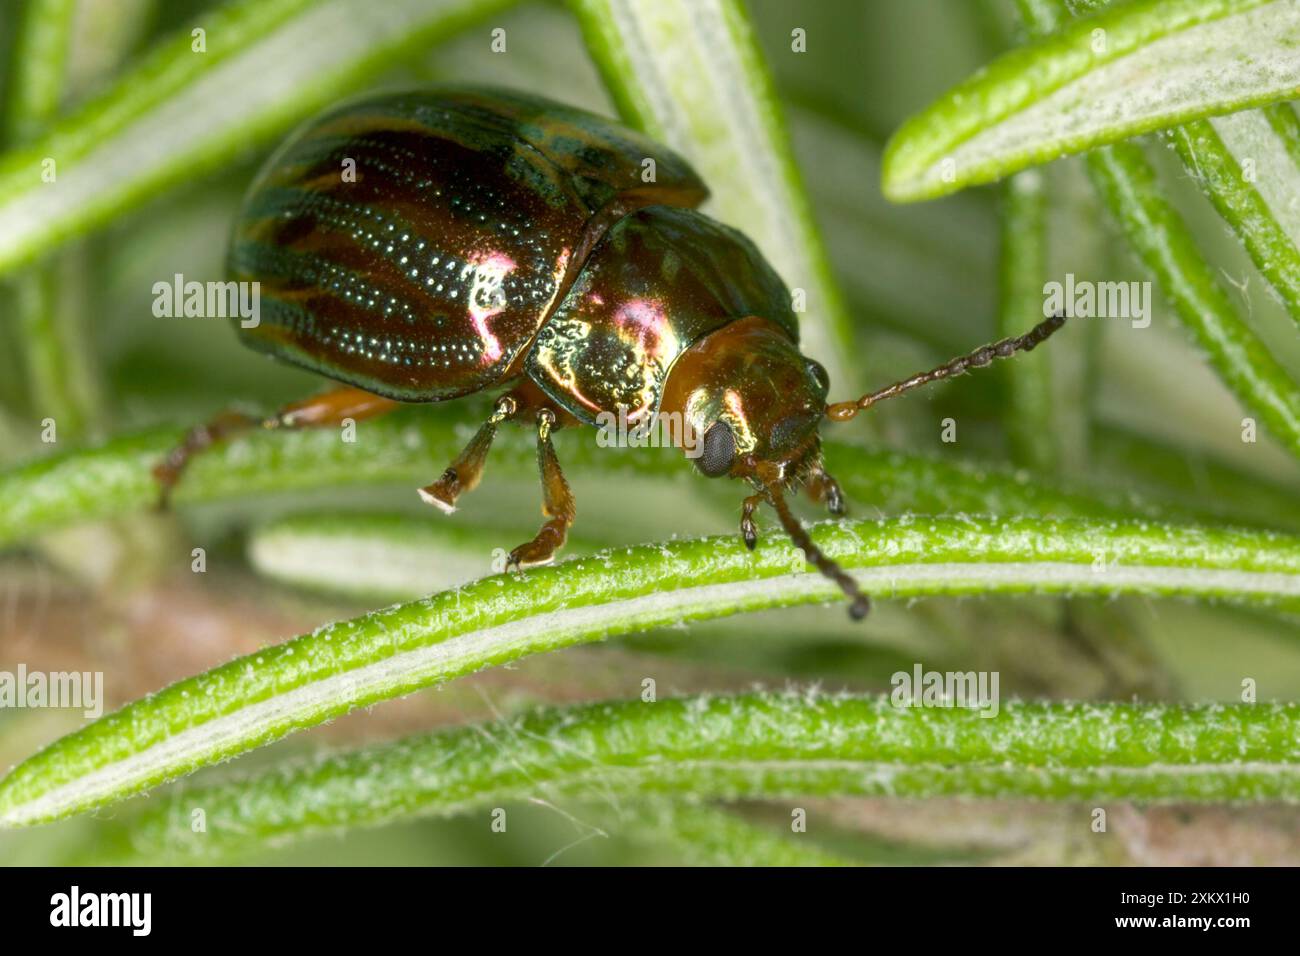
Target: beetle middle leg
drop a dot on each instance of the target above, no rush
(557, 502)
(328, 408)
(464, 473)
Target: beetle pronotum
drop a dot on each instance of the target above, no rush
(495, 240)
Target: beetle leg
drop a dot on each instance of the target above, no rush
(824, 489)
(198, 439)
(464, 473)
(749, 530)
(557, 502)
(328, 408)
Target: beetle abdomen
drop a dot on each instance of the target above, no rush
(659, 280)
(413, 244)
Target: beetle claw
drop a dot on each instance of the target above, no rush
(748, 529)
(542, 549)
(518, 562)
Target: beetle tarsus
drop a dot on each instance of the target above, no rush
(541, 550)
(442, 494)
(748, 529)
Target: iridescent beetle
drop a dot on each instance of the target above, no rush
(423, 246)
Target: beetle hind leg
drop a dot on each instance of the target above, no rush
(557, 502)
(328, 408)
(167, 473)
(463, 474)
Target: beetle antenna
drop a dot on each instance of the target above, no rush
(861, 604)
(1004, 348)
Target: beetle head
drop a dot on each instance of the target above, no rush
(758, 404)
(750, 399)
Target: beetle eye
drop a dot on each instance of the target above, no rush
(719, 450)
(819, 375)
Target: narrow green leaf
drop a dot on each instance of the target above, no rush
(380, 557)
(756, 746)
(1128, 70)
(713, 836)
(1023, 271)
(414, 445)
(50, 337)
(63, 383)
(678, 831)
(15, 439)
(265, 65)
(1080, 242)
(1158, 235)
(1248, 164)
(1127, 183)
(1192, 479)
(255, 699)
(690, 73)
(39, 62)
(385, 557)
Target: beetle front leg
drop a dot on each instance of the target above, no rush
(464, 473)
(557, 502)
(824, 489)
(328, 408)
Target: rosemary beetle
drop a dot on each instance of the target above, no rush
(489, 240)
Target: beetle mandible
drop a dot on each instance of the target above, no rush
(489, 239)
